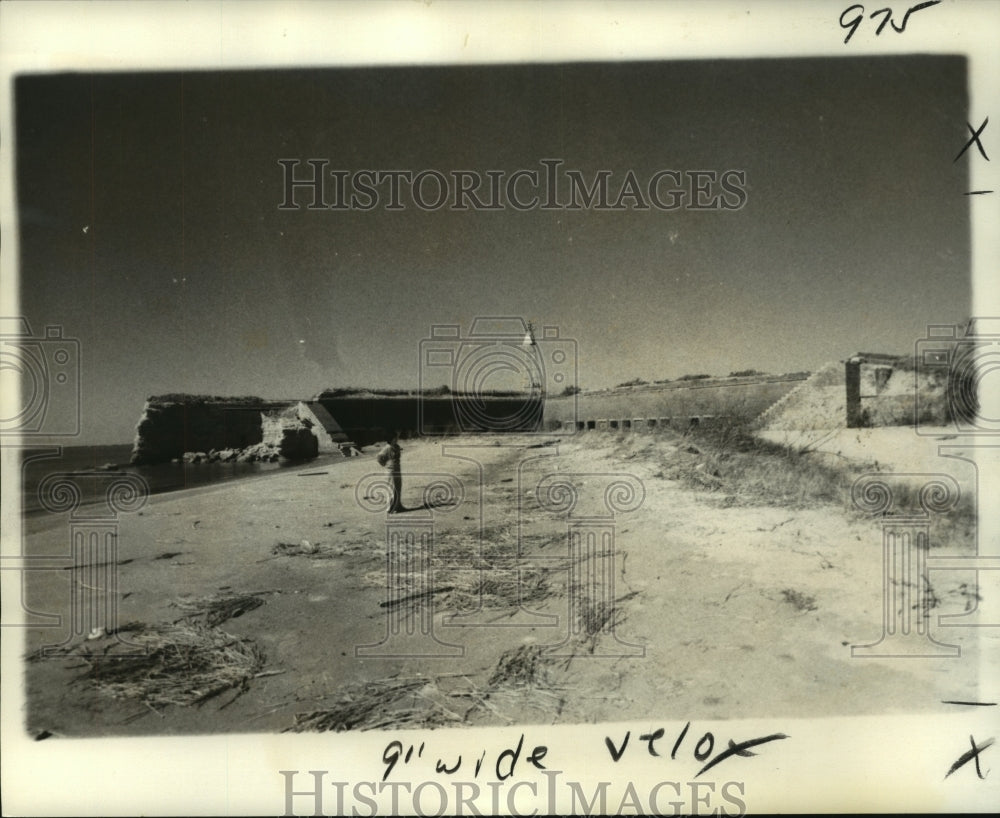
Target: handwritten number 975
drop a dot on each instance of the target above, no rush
(852, 16)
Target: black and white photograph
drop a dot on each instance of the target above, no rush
(475, 408)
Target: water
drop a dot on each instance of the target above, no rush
(39, 463)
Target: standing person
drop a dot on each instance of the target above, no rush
(390, 457)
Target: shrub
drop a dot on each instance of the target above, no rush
(443, 389)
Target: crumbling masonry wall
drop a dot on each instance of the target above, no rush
(677, 405)
(885, 390)
(867, 375)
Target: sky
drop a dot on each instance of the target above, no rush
(150, 225)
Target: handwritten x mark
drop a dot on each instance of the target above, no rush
(975, 140)
(968, 755)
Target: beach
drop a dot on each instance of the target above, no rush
(714, 606)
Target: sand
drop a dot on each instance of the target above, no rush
(721, 610)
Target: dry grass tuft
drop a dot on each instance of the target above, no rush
(391, 702)
(315, 550)
(466, 576)
(798, 600)
(746, 470)
(181, 665)
(529, 585)
(595, 616)
(521, 682)
(215, 609)
(518, 666)
(738, 468)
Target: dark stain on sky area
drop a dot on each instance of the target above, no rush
(151, 225)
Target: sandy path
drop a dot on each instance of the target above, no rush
(708, 592)
(895, 446)
(722, 638)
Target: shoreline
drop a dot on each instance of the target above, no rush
(31, 517)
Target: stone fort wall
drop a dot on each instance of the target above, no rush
(866, 390)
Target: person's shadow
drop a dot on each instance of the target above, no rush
(427, 505)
